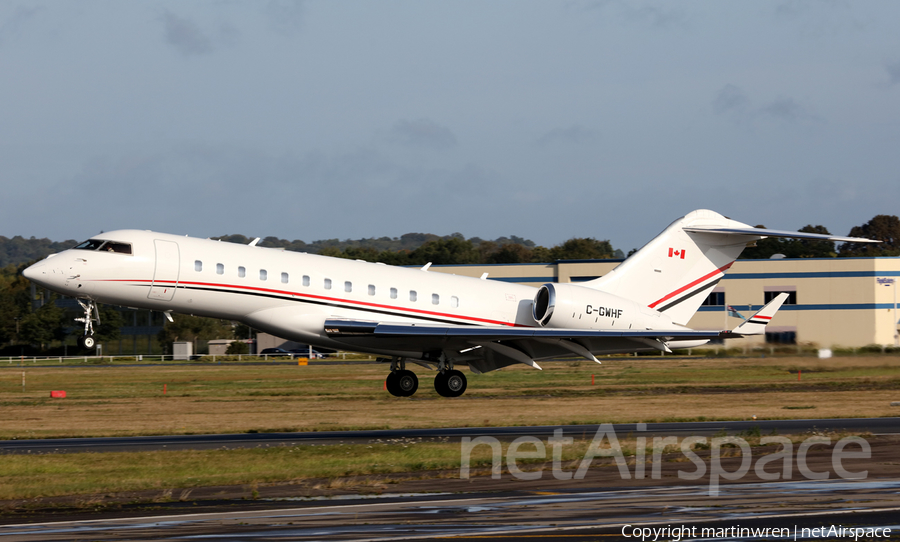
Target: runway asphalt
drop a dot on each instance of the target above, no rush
(795, 509)
(876, 426)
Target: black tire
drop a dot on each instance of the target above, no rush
(456, 383)
(407, 383)
(440, 384)
(391, 383)
(88, 341)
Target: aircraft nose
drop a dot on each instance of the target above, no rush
(33, 272)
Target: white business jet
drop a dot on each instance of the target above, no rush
(435, 320)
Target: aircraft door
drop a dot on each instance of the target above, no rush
(165, 274)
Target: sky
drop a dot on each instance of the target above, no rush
(345, 119)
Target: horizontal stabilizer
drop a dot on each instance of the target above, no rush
(756, 324)
(761, 232)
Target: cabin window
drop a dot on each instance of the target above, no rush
(284, 278)
(242, 272)
(371, 289)
(198, 265)
(435, 299)
(393, 293)
(263, 275)
(412, 295)
(306, 280)
(454, 301)
(220, 269)
(327, 284)
(348, 286)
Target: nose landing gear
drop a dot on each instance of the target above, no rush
(91, 315)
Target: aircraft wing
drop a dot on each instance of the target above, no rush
(485, 348)
(493, 333)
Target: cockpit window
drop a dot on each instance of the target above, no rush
(90, 244)
(105, 246)
(113, 246)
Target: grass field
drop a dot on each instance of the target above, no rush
(215, 398)
(54, 475)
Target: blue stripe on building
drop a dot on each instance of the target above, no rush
(808, 307)
(812, 275)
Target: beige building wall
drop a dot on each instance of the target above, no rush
(840, 301)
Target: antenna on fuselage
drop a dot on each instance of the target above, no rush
(253, 242)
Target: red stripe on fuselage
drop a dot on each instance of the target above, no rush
(324, 298)
(718, 271)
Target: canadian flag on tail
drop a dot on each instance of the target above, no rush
(676, 253)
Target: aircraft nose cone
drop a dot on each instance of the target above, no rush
(33, 272)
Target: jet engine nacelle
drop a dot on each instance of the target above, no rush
(576, 307)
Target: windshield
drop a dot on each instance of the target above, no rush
(113, 246)
(105, 246)
(90, 244)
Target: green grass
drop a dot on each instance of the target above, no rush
(31, 476)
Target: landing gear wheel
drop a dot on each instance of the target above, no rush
(456, 383)
(450, 383)
(440, 384)
(391, 384)
(407, 383)
(402, 383)
(87, 341)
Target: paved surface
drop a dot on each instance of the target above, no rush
(876, 426)
(582, 514)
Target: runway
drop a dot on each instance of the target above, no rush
(588, 513)
(877, 426)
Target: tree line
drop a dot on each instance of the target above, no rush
(885, 228)
(454, 249)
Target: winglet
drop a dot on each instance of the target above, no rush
(756, 324)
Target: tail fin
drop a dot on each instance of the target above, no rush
(674, 272)
(756, 324)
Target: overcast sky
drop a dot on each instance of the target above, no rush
(548, 120)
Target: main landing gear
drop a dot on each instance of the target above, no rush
(450, 383)
(402, 382)
(91, 315)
